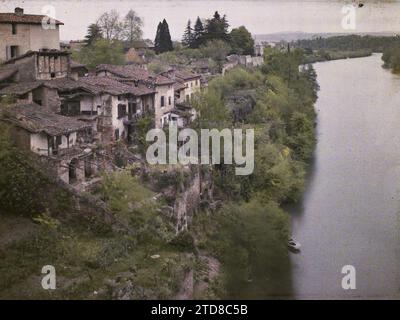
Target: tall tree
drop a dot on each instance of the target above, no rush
(198, 33)
(93, 34)
(187, 39)
(163, 41)
(111, 25)
(157, 41)
(132, 27)
(241, 41)
(217, 28)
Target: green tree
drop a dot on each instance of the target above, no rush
(187, 39)
(198, 36)
(101, 51)
(163, 41)
(241, 41)
(217, 28)
(93, 34)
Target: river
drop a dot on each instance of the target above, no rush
(349, 214)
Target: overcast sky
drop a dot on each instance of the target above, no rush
(259, 16)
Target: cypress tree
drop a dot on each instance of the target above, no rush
(157, 41)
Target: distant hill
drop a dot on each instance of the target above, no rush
(299, 35)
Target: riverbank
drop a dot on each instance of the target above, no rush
(330, 55)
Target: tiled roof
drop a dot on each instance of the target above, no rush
(161, 80)
(112, 86)
(7, 72)
(36, 119)
(129, 71)
(186, 75)
(24, 18)
(21, 88)
(179, 86)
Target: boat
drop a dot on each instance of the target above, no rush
(294, 245)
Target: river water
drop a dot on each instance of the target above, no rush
(349, 214)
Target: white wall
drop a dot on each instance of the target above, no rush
(166, 91)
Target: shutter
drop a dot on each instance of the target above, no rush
(8, 52)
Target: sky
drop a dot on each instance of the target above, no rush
(259, 16)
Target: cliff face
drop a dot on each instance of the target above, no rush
(183, 189)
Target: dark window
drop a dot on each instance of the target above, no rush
(58, 140)
(14, 28)
(116, 134)
(53, 75)
(71, 108)
(169, 100)
(14, 51)
(132, 107)
(162, 101)
(121, 111)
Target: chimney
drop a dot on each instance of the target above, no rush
(19, 11)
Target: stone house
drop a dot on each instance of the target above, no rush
(38, 65)
(187, 84)
(20, 33)
(163, 100)
(56, 140)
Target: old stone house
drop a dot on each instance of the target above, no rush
(20, 33)
(163, 100)
(58, 141)
(187, 84)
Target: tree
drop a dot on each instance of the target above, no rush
(241, 41)
(217, 28)
(101, 51)
(111, 25)
(216, 50)
(198, 35)
(163, 41)
(93, 34)
(132, 27)
(187, 39)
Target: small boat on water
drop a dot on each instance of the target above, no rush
(293, 245)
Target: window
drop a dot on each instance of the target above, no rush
(121, 111)
(58, 140)
(119, 98)
(132, 107)
(169, 101)
(162, 101)
(116, 134)
(187, 98)
(53, 75)
(14, 28)
(14, 51)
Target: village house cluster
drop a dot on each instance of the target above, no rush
(71, 118)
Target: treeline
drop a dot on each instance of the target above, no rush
(217, 28)
(346, 43)
(391, 58)
(249, 233)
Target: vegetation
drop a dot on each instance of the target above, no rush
(391, 58)
(242, 41)
(163, 42)
(99, 52)
(249, 233)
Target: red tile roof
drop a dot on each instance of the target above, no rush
(24, 18)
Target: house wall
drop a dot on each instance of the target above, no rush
(39, 142)
(28, 38)
(192, 87)
(118, 123)
(166, 91)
